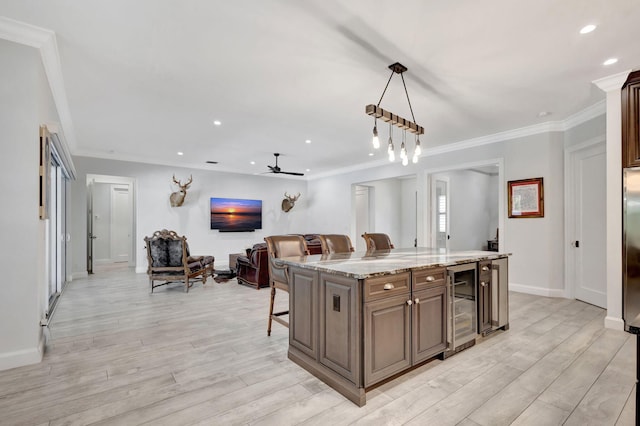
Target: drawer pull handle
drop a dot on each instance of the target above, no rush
(485, 268)
(389, 286)
(417, 301)
(483, 284)
(430, 278)
(409, 302)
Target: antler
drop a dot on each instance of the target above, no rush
(290, 198)
(186, 185)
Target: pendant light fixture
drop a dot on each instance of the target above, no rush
(395, 120)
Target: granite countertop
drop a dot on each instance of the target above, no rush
(362, 265)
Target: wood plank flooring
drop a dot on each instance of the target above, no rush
(117, 355)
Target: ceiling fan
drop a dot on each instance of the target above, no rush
(276, 169)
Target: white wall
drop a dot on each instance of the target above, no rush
(154, 212)
(26, 103)
(473, 209)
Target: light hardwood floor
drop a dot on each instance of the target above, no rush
(119, 355)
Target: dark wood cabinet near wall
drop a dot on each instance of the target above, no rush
(631, 120)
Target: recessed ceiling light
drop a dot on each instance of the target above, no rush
(610, 61)
(587, 29)
(180, 153)
(307, 141)
(307, 170)
(217, 122)
(371, 154)
(253, 162)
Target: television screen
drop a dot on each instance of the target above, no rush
(230, 214)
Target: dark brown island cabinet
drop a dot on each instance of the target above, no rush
(358, 320)
(631, 121)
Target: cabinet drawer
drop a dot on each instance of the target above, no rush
(428, 278)
(386, 286)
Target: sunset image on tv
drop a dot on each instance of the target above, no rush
(231, 214)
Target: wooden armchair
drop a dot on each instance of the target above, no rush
(169, 261)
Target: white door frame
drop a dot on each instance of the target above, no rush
(427, 230)
(435, 177)
(570, 212)
(120, 180)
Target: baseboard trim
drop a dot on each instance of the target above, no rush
(78, 275)
(613, 323)
(24, 357)
(537, 291)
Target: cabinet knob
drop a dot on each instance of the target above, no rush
(389, 286)
(417, 301)
(409, 302)
(483, 284)
(430, 278)
(485, 268)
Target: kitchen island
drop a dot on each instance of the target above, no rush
(358, 319)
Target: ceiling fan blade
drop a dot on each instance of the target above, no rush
(292, 173)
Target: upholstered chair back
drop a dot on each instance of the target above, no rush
(335, 243)
(377, 241)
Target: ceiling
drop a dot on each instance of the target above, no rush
(146, 79)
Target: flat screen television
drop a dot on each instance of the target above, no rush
(235, 215)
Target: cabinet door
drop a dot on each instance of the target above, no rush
(500, 293)
(303, 312)
(429, 323)
(630, 121)
(387, 337)
(340, 326)
(484, 304)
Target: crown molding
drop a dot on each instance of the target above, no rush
(576, 119)
(612, 82)
(45, 41)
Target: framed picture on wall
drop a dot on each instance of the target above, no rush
(526, 198)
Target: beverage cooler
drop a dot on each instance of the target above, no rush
(463, 306)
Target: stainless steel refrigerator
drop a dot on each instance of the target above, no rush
(631, 250)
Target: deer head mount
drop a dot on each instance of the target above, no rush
(289, 202)
(177, 198)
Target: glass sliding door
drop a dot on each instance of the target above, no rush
(57, 230)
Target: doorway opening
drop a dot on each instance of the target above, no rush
(388, 206)
(465, 206)
(110, 223)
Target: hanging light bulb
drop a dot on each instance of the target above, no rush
(403, 148)
(376, 140)
(405, 161)
(392, 155)
(414, 159)
(418, 150)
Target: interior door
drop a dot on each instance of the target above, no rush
(90, 237)
(120, 223)
(440, 191)
(589, 216)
